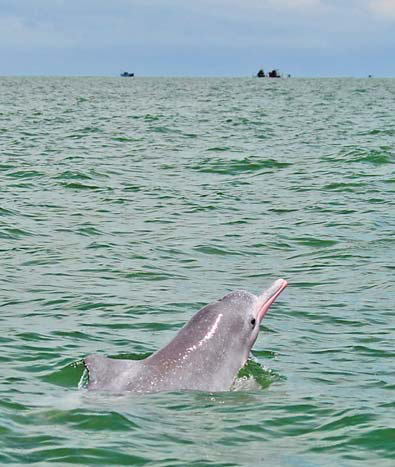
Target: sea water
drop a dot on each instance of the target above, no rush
(128, 204)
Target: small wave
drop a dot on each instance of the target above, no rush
(380, 156)
(149, 275)
(252, 376)
(14, 233)
(68, 376)
(212, 250)
(231, 167)
(7, 212)
(343, 186)
(316, 242)
(73, 175)
(89, 231)
(79, 186)
(25, 174)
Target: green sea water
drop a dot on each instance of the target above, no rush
(128, 204)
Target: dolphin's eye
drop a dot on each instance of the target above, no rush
(253, 322)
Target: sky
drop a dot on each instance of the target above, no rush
(312, 38)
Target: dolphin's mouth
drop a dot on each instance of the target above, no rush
(268, 297)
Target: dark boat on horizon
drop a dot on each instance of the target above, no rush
(271, 74)
(125, 74)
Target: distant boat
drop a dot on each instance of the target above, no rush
(125, 74)
(271, 74)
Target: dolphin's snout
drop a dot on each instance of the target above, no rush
(269, 296)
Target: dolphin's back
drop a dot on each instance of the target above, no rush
(110, 373)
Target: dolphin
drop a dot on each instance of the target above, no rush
(205, 355)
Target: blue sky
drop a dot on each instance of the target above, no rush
(197, 38)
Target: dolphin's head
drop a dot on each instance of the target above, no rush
(216, 342)
(243, 313)
(208, 352)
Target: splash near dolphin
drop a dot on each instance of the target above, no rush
(205, 355)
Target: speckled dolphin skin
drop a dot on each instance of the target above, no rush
(205, 355)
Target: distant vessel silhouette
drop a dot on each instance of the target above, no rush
(125, 74)
(271, 74)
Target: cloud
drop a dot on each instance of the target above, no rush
(383, 8)
(19, 32)
(132, 22)
(297, 3)
(212, 23)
